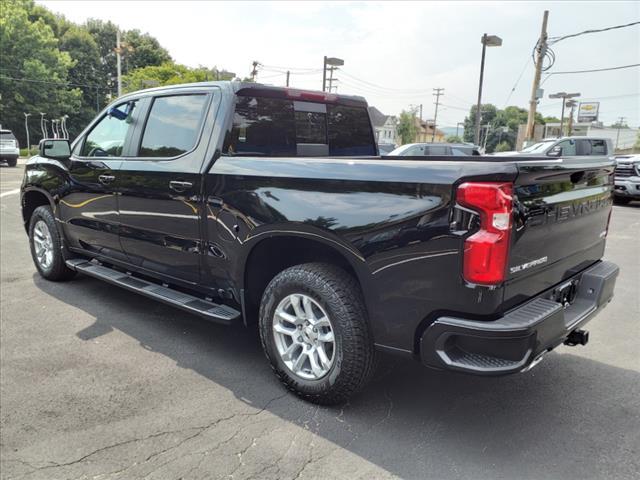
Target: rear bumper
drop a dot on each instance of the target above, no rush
(9, 155)
(627, 187)
(513, 342)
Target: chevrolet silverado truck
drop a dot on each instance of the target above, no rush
(245, 203)
(627, 179)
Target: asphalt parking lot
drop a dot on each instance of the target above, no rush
(99, 383)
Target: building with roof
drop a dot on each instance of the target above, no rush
(384, 127)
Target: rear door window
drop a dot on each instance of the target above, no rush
(437, 150)
(461, 151)
(583, 147)
(173, 125)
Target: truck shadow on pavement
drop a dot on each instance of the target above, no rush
(570, 417)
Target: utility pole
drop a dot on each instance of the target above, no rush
(572, 104)
(333, 64)
(254, 71)
(458, 126)
(118, 67)
(438, 92)
(420, 112)
(620, 122)
(486, 136)
(26, 127)
(288, 77)
(533, 102)
(324, 74)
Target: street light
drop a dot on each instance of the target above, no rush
(26, 127)
(564, 96)
(333, 62)
(487, 41)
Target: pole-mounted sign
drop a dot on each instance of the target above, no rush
(588, 112)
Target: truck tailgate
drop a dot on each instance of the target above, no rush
(561, 214)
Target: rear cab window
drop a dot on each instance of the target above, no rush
(286, 127)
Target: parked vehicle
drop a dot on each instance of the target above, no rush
(9, 149)
(627, 179)
(386, 148)
(440, 149)
(565, 146)
(267, 206)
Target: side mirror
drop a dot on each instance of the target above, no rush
(555, 151)
(55, 148)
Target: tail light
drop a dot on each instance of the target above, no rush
(486, 252)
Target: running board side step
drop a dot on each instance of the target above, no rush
(209, 310)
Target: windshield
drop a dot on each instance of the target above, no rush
(538, 147)
(401, 150)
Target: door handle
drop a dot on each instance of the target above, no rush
(178, 186)
(106, 178)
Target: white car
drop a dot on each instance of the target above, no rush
(9, 150)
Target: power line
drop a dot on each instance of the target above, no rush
(526, 64)
(67, 84)
(553, 40)
(595, 69)
(356, 79)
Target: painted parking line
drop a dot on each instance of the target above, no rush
(10, 192)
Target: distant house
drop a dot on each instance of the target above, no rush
(384, 126)
(425, 132)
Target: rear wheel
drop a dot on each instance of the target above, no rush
(314, 331)
(46, 246)
(12, 162)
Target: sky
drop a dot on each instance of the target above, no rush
(395, 53)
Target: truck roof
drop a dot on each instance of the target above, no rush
(262, 90)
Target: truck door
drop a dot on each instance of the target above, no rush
(160, 202)
(89, 209)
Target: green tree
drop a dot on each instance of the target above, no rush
(503, 147)
(503, 125)
(142, 50)
(406, 127)
(35, 72)
(489, 112)
(84, 51)
(169, 74)
(453, 139)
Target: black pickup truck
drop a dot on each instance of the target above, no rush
(270, 206)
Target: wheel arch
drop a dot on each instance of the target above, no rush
(265, 259)
(33, 198)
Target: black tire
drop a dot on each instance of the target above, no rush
(354, 355)
(621, 200)
(12, 162)
(57, 270)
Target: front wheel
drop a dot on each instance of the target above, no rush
(46, 246)
(314, 331)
